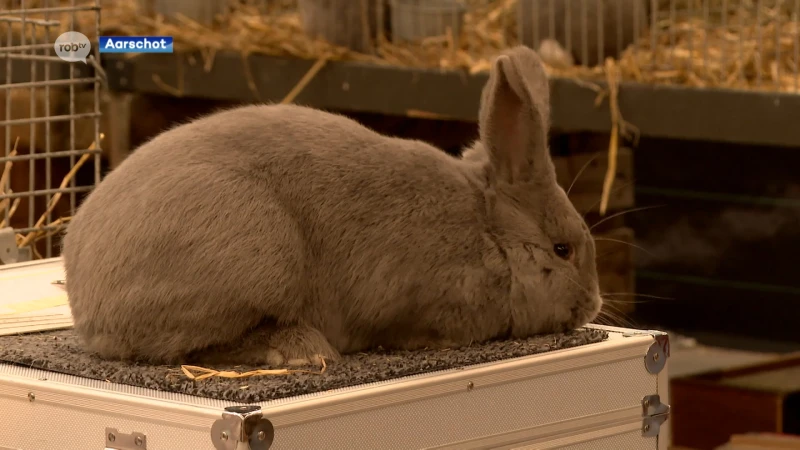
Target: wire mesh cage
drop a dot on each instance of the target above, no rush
(752, 44)
(49, 123)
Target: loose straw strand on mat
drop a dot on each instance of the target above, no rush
(204, 373)
(74, 170)
(613, 145)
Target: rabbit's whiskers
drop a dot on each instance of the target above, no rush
(605, 219)
(578, 284)
(580, 172)
(608, 253)
(632, 294)
(613, 191)
(626, 243)
(615, 316)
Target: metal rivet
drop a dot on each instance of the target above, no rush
(655, 356)
(470, 386)
(224, 436)
(31, 396)
(138, 441)
(647, 428)
(647, 403)
(111, 437)
(262, 435)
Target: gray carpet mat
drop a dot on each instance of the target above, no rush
(61, 351)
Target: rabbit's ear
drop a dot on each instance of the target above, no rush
(514, 117)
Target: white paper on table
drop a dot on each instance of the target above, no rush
(30, 302)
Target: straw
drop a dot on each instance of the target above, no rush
(613, 145)
(11, 211)
(490, 28)
(4, 177)
(31, 236)
(312, 72)
(201, 373)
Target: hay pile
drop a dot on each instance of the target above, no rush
(248, 30)
(82, 19)
(697, 44)
(741, 48)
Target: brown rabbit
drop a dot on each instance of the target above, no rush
(279, 233)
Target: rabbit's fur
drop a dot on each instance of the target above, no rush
(277, 234)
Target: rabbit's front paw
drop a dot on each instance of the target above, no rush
(299, 346)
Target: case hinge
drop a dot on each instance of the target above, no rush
(654, 414)
(242, 424)
(121, 441)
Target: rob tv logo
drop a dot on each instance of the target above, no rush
(73, 46)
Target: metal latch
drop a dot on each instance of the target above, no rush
(654, 413)
(121, 441)
(242, 424)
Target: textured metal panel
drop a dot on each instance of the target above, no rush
(70, 428)
(631, 440)
(481, 412)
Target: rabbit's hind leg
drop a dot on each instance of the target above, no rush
(300, 345)
(272, 345)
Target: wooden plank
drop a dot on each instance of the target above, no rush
(761, 408)
(585, 193)
(657, 111)
(751, 244)
(119, 128)
(693, 426)
(718, 306)
(735, 170)
(615, 268)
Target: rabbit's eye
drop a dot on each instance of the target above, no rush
(562, 250)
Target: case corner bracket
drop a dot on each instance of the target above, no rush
(656, 357)
(242, 424)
